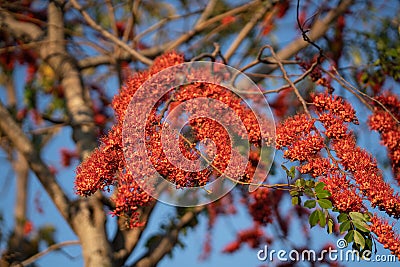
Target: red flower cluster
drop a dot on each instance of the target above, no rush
(67, 156)
(254, 237)
(344, 196)
(299, 136)
(333, 113)
(386, 236)
(385, 124)
(260, 207)
(335, 106)
(108, 166)
(366, 174)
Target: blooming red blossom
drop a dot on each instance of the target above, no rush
(67, 156)
(260, 208)
(344, 196)
(298, 135)
(28, 227)
(368, 177)
(254, 237)
(386, 235)
(385, 124)
(336, 106)
(333, 112)
(316, 166)
(107, 165)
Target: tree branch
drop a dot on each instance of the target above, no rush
(151, 52)
(247, 29)
(46, 251)
(109, 36)
(86, 216)
(126, 240)
(286, 77)
(14, 133)
(318, 30)
(154, 254)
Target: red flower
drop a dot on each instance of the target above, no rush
(344, 196)
(386, 236)
(385, 124)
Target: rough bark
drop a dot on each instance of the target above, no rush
(86, 216)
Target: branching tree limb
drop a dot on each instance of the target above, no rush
(46, 251)
(21, 142)
(155, 253)
(109, 36)
(318, 30)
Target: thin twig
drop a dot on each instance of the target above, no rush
(344, 81)
(207, 11)
(285, 76)
(302, 77)
(345, 86)
(213, 56)
(246, 30)
(89, 20)
(201, 25)
(130, 23)
(46, 251)
(111, 16)
(155, 253)
(161, 23)
(304, 32)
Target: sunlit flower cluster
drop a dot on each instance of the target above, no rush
(384, 122)
(107, 165)
(386, 235)
(341, 151)
(344, 196)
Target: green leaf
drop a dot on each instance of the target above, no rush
(300, 182)
(349, 237)
(329, 229)
(295, 201)
(360, 225)
(344, 226)
(368, 244)
(310, 183)
(310, 203)
(314, 218)
(367, 216)
(294, 192)
(319, 187)
(46, 233)
(292, 172)
(309, 192)
(342, 217)
(324, 194)
(325, 203)
(322, 218)
(357, 216)
(359, 239)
